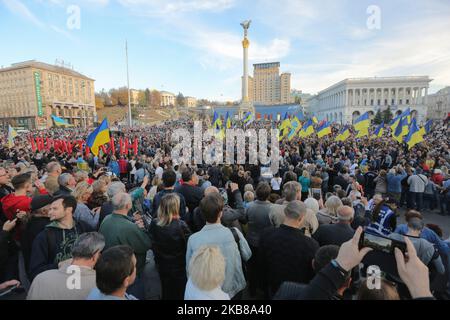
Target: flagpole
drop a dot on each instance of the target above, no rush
(128, 86)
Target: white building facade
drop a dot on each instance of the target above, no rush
(345, 101)
(167, 99)
(439, 104)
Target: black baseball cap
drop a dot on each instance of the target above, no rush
(41, 201)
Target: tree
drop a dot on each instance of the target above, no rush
(141, 99)
(387, 115)
(147, 97)
(298, 100)
(155, 98)
(99, 102)
(378, 117)
(180, 101)
(119, 96)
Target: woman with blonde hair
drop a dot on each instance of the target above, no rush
(154, 189)
(305, 181)
(82, 193)
(328, 214)
(310, 222)
(169, 235)
(206, 275)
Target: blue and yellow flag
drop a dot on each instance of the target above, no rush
(414, 136)
(284, 127)
(227, 121)
(394, 123)
(60, 122)
(407, 114)
(401, 130)
(324, 129)
(427, 128)
(295, 126)
(11, 135)
(216, 122)
(362, 123)
(343, 134)
(362, 133)
(98, 137)
(307, 129)
(378, 133)
(248, 118)
(314, 119)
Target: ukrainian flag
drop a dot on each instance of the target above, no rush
(307, 130)
(362, 123)
(394, 124)
(324, 130)
(248, 118)
(99, 137)
(314, 119)
(406, 113)
(343, 134)
(216, 123)
(60, 122)
(414, 136)
(427, 128)
(284, 127)
(295, 126)
(362, 133)
(227, 121)
(401, 130)
(11, 135)
(379, 131)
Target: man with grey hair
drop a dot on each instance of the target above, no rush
(54, 170)
(291, 191)
(339, 232)
(119, 229)
(67, 184)
(74, 279)
(286, 253)
(115, 188)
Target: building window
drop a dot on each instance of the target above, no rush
(407, 101)
(400, 102)
(371, 102)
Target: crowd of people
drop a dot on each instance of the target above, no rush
(139, 226)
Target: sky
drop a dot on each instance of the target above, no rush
(194, 46)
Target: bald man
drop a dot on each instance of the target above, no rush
(230, 217)
(339, 232)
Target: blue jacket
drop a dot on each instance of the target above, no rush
(114, 167)
(218, 235)
(429, 235)
(394, 182)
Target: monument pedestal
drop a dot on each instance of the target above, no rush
(245, 107)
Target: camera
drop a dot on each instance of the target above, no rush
(380, 243)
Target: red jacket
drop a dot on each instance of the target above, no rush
(11, 203)
(123, 165)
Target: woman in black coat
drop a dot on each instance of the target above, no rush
(169, 236)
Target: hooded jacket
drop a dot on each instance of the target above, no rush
(53, 245)
(11, 203)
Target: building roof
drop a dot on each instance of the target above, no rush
(266, 65)
(377, 79)
(45, 66)
(167, 93)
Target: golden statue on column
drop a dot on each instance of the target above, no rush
(245, 105)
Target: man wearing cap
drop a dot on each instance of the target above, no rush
(38, 220)
(339, 232)
(286, 253)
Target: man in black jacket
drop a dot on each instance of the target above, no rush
(169, 178)
(191, 192)
(286, 253)
(337, 233)
(54, 244)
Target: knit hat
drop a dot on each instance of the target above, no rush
(40, 201)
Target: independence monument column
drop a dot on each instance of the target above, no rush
(246, 105)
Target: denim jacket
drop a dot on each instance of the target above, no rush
(218, 235)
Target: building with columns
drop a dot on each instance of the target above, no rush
(439, 104)
(190, 102)
(345, 101)
(32, 91)
(167, 99)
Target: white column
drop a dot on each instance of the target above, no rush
(354, 97)
(404, 95)
(389, 96)
(425, 98)
(346, 97)
(382, 97)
